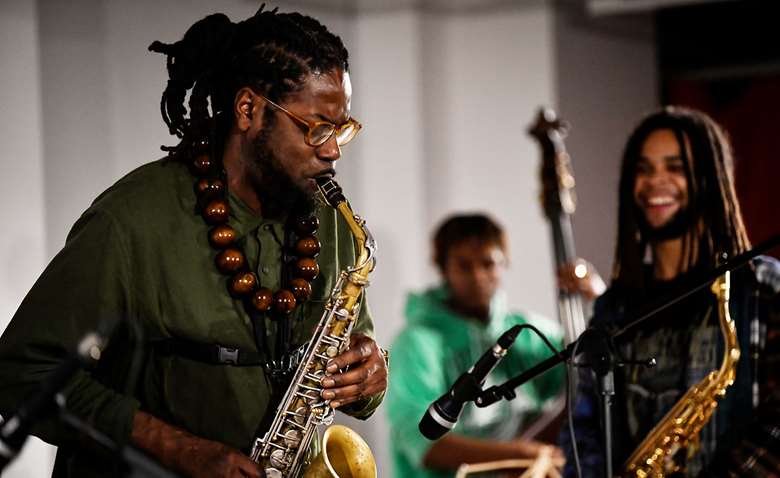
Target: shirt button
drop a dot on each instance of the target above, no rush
(265, 269)
(267, 227)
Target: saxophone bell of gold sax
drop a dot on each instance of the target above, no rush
(282, 451)
(678, 431)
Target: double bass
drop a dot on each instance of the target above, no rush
(559, 202)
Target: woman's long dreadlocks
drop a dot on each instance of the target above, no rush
(271, 52)
(716, 225)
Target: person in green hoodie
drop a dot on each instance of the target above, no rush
(449, 327)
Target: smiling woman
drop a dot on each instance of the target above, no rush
(661, 185)
(675, 226)
(664, 204)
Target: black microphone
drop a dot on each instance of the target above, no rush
(14, 431)
(442, 415)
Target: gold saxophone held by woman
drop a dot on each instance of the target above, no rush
(678, 431)
(282, 450)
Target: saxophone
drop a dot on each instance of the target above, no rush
(282, 450)
(679, 429)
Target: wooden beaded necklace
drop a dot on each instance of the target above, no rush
(231, 261)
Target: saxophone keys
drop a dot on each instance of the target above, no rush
(292, 438)
(273, 473)
(300, 415)
(332, 351)
(278, 459)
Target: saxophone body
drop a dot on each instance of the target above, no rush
(679, 430)
(282, 450)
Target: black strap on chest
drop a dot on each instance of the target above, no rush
(214, 354)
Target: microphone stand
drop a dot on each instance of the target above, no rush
(49, 401)
(600, 353)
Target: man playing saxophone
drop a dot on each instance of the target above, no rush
(219, 253)
(678, 212)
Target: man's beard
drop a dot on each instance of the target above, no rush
(278, 193)
(677, 226)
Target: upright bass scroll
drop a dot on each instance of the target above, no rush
(559, 202)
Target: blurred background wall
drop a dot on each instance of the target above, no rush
(445, 89)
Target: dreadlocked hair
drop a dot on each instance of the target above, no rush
(270, 52)
(716, 221)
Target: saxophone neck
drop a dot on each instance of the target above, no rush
(721, 287)
(365, 246)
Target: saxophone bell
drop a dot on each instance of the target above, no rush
(344, 455)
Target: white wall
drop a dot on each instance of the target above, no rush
(607, 79)
(445, 97)
(496, 68)
(22, 255)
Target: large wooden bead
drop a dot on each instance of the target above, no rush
(200, 146)
(243, 283)
(307, 246)
(209, 188)
(284, 301)
(306, 225)
(306, 268)
(222, 236)
(230, 260)
(262, 299)
(202, 164)
(216, 212)
(301, 289)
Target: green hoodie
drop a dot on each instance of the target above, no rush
(438, 345)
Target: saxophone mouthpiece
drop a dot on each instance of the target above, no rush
(330, 190)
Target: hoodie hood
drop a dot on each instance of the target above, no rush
(429, 308)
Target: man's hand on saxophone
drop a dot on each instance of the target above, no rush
(366, 376)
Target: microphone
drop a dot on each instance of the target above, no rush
(443, 413)
(14, 431)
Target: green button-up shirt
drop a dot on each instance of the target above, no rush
(140, 256)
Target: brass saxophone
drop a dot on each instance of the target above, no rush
(282, 450)
(679, 429)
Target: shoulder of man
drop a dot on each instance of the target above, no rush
(146, 192)
(146, 180)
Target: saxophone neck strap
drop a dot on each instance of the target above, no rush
(216, 354)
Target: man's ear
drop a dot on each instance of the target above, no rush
(244, 108)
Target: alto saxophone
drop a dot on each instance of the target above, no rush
(282, 450)
(679, 429)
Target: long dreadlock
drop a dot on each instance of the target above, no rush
(271, 52)
(716, 225)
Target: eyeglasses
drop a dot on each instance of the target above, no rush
(319, 132)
